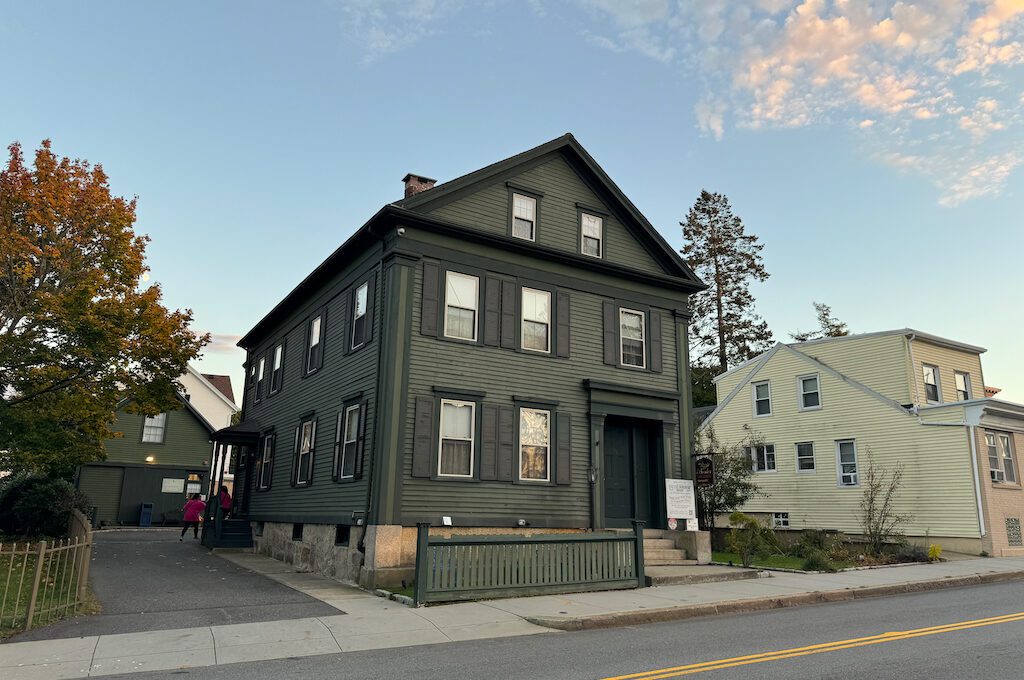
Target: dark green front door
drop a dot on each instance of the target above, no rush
(629, 473)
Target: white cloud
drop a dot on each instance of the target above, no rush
(380, 27)
(710, 114)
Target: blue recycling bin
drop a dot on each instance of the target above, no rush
(146, 515)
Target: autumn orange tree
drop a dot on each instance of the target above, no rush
(77, 331)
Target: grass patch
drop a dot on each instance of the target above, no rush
(408, 591)
(57, 590)
(770, 562)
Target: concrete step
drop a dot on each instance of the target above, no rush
(663, 555)
(668, 562)
(654, 533)
(659, 544)
(684, 575)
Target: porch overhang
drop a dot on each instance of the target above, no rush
(613, 399)
(244, 434)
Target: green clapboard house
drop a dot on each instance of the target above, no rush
(502, 353)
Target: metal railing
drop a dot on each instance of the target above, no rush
(45, 581)
(475, 567)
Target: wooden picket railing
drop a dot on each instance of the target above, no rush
(474, 567)
(45, 581)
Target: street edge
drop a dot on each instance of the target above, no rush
(639, 617)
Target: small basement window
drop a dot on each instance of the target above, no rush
(780, 520)
(297, 531)
(341, 534)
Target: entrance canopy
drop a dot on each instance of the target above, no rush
(243, 434)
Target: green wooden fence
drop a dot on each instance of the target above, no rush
(476, 567)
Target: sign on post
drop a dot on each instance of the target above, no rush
(679, 499)
(704, 472)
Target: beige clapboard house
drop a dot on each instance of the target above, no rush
(813, 414)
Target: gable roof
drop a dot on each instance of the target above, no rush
(222, 391)
(764, 358)
(222, 383)
(583, 162)
(188, 407)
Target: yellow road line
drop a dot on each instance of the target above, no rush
(893, 636)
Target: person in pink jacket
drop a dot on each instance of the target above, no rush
(193, 512)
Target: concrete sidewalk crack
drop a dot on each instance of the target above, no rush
(436, 627)
(213, 639)
(333, 636)
(92, 659)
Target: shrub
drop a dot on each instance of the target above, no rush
(934, 552)
(749, 538)
(817, 560)
(905, 552)
(35, 505)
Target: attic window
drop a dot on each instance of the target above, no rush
(524, 217)
(153, 429)
(591, 235)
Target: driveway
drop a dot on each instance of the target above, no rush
(148, 580)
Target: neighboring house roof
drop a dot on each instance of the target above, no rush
(406, 212)
(222, 383)
(227, 396)
(906, 332)
(188, 407)
(699, 414)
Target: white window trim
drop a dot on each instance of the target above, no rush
(472, 436)
(345, 440)
(839, 464)
(311, 341)
(753, 398)
(643, 338)
(523, 319)
(356, 316)
(308, 453)
(777, 521)
(266, 457)
(1007, 437)
(533, 230)
(967, 384)
(753, 459)
(476, 309)
(160, 428)
(814, 458)
(800, 392)
(938, 384)
(600, 239)
(547, 446)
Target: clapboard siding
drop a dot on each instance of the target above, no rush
(876, 361)
(949, 361)
(324, 392)
(502, 373)
(487, 208)
(186, 440)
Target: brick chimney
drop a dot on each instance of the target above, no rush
(414, 184)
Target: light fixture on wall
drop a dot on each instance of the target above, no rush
(150, 459)
(522, 523)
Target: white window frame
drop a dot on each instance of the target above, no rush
(299, 452)
(814, 462)
(754, 400)
(801, 394)
(472, 437)
(261, 372)
(839, 463)
(780, 520)
(277, 365)
(266, 461)
(1007, 453)
(156, 424)
(523, 319)
(345, 441)
(968, 390)
(600, 239)
(934, 371)
(475, 308)
(312, 341)
(533, 220)
(995, 470)
(364, 290)
(643, 338)
(752, 451)
(547, 446)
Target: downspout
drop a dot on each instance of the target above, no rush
(913, 369)
(974, 464)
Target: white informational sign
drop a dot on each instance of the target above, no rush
(193, 487)
(680, 502)
(173, 485)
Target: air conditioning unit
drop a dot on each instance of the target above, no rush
(998, 475)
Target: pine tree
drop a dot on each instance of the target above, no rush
(828, 326)
(725, 329)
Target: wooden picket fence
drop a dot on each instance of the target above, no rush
(45, 581)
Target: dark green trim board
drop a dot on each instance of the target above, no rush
(686, 443)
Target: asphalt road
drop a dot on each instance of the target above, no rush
(985, 651)
(148, 580)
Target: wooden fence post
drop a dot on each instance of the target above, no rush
(37, 579)
(422, 562)
(638, 534)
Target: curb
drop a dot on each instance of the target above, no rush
(639, 617)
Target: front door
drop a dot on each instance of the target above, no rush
(630, 473)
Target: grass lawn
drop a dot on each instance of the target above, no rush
(56, 590)
(771, 562)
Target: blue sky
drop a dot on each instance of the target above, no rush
(875, 148)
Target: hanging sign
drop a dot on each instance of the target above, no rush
(704, 472)
(679, 500)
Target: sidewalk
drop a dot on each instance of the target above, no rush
(365, 622)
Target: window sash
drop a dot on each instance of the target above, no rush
(153, 429)
(313, 352)
(762, 399)
(534, 452)
(536, 320)
(809, 398)
(1009, 466)
(524, 217)
(846, 459)
(346, 440)
(456, 323)
(452, 445)
(762, 457)
(359, 316)
(963, 386)
(266, 463)
(276, 372)
(260, 374)
(304, 455)
(805, 457)
(780, 519)
(993, 451)
(591, 235)
(931, 383)
(633, 338)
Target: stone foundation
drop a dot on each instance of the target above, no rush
(315, 553)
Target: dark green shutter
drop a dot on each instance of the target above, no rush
(656, 349)
(492, 312)
(423, 437)
(563, 448)
(429, 299)
(562, 324)
(506, 437)
(509, 325)
(611, 334)
(489, 442)
(361, 442)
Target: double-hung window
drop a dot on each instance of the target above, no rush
(266, 463)
(805, 457)
(591, 235)
(632, 341)
(963, 386)
(153, 429)
(1006, 447)
(810, 392)
(762, 392)
(846, 457)
(305, 441)
(346, 443)
(314, 344)
(534, 445)
(359, 319)
(455, 449)
(1001, 461)
(524, 217)
(931, 383)
(461, 303)
(536, 321)
(762, 457)
(277, 369)
(261, 372)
